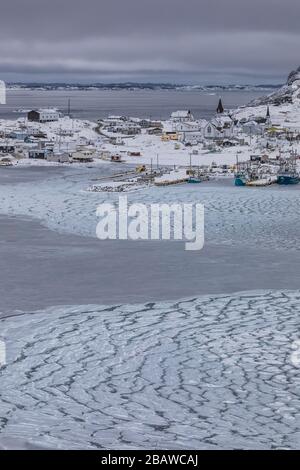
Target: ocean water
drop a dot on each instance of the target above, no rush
(95, 104)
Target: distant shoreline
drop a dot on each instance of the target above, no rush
(138, 86)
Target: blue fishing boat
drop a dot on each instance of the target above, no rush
(288, 179)
(288, 173)
(194, 180)
(199, 178)
(240, 180)
(241, 175)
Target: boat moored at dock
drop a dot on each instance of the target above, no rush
(288, 173)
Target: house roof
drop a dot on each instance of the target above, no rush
(222, 120)
(45, 110)
(181, 114)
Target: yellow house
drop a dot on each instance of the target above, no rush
(167, 136)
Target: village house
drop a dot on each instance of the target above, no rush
(210, 131)
(253, 128)
(43, 115)
(220, 127)
(191, 131)
(105, 155)
(125, 128)
(41, 150)
(133, 129)
(182, 116)
(223, 122)
(145, 123)
(59, 157)
(82, 157)
(18, 135)
(154, 131)
(7, 147)
(169, 135)
(38, 153)
(117, 158)
(158, 124)
(84, 153)
(116, 140)
(112, 121)
(191, 138)
(113, 118)
(2, 92)
(187, 126)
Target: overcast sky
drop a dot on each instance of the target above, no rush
(179, 41)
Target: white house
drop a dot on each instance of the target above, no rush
(191, 137)
(2, 92)
(210, 131)
(219, 128)
(190, 131)
(253, 128)
(188, 126)
(182, 116)
(223, 122)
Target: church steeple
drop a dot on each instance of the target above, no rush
(220, 108)
(268, 116)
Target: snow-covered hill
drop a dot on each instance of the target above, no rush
(289, 93)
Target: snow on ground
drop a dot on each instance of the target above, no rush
(174, 175)
(206, 373)
(80, 132)
(153, 149)
(31, 162)
(284, 116)
(79, 127)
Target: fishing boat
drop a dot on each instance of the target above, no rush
(240, 179)
(288, 178)
(194, 180)
(5, 162)
(116, 158)
(241, 175)
(198, 178)
(288, 173)
(262, 181)
(195, 177)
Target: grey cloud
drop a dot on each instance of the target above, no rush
(191, 40)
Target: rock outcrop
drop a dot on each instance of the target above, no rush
(287, 94)
(293, 76)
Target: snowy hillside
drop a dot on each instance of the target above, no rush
(289, 93)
